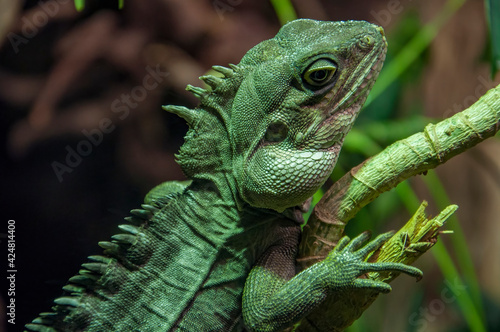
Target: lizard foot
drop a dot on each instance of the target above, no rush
(347, 260)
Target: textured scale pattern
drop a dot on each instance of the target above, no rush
(284, 166)
(217, 253)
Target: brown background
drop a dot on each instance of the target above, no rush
(63, 76)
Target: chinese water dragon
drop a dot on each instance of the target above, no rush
(217, 253)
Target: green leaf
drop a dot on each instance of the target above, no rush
(359, 142)
(413, 49)
(493, 17)
(459, 243)
(79, 4)
(285, 11)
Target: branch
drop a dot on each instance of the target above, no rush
(365, 182)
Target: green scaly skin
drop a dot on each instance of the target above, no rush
(218, 253)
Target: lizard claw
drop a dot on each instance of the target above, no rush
(348, 261)
(378, 286)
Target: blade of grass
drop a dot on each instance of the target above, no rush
(120, 3)
(464, 299)
(285, 11)
(359, 142)
(316, 197)
(492, 8)
(413, 49)
(408, 197)
(471, 312)
(79, 5)
(458, 241)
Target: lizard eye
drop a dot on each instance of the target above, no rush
(320, 73)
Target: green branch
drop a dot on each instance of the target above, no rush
(401, 160)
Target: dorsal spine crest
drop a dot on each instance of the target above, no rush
(213, 81)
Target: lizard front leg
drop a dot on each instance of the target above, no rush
(273, 299)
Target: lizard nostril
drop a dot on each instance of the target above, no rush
(366, 42)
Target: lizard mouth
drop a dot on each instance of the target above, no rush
(331, 133)
(342, 105)
(356, 87)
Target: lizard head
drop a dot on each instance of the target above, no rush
(273, 125)
(298, 98)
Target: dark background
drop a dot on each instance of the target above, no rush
(62, 76)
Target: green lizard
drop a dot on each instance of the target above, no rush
(218, 253)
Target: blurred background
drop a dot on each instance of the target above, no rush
(84, 137)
